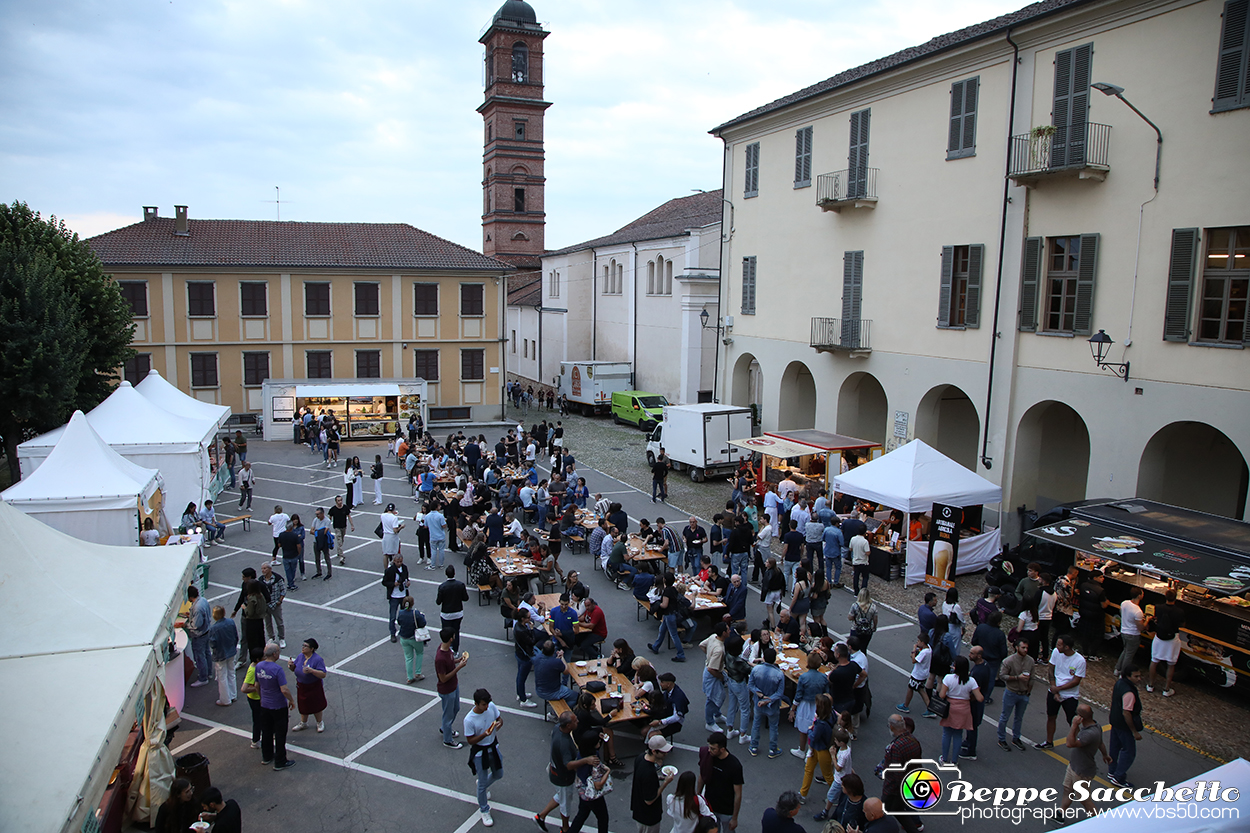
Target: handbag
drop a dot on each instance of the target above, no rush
(422, 634)
(378, 531)
(939, 706)
(596, 686)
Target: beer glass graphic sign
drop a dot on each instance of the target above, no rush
(943, 546)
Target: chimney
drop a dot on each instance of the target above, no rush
(150, 212)
(180, 221)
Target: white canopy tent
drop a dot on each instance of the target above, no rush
(88, 490)
(1179, 816)
(63, 739)
(913, 478)
(167, 397)
(147, 435)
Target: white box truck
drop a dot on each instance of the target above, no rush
(696, 438)
(589, 385)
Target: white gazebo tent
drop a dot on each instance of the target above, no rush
(912, 478)
(88, 490)
(73, 673)
(162, 394)
(147, 435)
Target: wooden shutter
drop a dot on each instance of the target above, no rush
(857, 159)
(1030, 275)
(1071, 107)
(1086, 268)
(803, 157)
(751, 184)
(1181, 268)
(944, 286)
(748, 285)
(1232, 73)
(961, 138)
(972, 306)
(852, 296)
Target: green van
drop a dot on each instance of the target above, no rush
(645, 410)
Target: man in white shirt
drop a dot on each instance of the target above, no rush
(860, 550)
(800, 515)
(602, 504)
(531, 452)
(772, 508)
(277, 522)
(1068, 669)
(1131, 620)
(512, 533)
(786, 489)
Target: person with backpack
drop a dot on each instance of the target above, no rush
(863, 617)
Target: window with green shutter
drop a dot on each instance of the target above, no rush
(1030, 274)
(1070, 113)
(1232, 71)
(857, 158)
(751, 182)
(748, 285)
(1068, 289)
(1181, 267)
(803, 157)
(961, 140)
(852, 298)
(959, 294)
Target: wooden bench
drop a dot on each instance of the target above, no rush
(246, 520)
(555, 708)
(577, 543)
(483, 594)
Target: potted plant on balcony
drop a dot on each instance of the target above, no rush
(1039, 146)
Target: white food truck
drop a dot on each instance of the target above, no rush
(589, 385)
(696, 438)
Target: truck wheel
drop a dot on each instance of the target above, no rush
(617, 420)
(650, 459)
(697, 474)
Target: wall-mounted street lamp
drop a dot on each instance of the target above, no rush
(1099, 344)
(1118, 92)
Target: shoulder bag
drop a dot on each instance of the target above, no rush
(939, 705)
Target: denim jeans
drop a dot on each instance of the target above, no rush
(200, 652)
(436, 551)
(485, 777)
(693, 556)
(970, 739)
(788, 567)
(291, 567)
(833, 567)
(669, 625)
(739, 562)
(773, 715)
(738, 701)
(1123, 751)
(860, 571)
(658, 487)
(1012, 702)
(952, 740)
(715, 691)
(523, 668)
(451, 705)
(390, 619)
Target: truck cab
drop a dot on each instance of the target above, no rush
(638, 408)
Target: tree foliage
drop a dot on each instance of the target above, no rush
(64, 324)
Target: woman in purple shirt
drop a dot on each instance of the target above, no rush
(310, 670)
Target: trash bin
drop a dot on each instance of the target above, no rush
(194, 767)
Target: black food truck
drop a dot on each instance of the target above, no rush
(1137, 542)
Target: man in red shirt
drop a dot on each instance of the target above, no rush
(596, 629)
(447, 666)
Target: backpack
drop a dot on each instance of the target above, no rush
(254, 607)
(863, 619)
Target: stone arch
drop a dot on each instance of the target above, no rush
(1194, 465)
(947, 420)
(862, 408)
(1051, 460)
(747, 382)
(520, 235)
(796, 406)
(520, 170)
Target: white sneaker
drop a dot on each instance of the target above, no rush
(254, 745)
(743, 740)
(711, 727)
(731, 734)
(487, 821)
(527, 704)
(299, 727)
(798, 753)
(281, 643)
(321, 727)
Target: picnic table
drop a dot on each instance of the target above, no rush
(792, 660)
(618, 685)
(511, 564)
(644, 556)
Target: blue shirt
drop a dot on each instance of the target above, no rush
(810, 686)
(564, 619)
(928, 619)
(768, 681)
(437, 524)
(833, 542)
(548, 675)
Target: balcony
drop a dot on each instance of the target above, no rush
(842, 335)
(852, 188)
(1079, 152)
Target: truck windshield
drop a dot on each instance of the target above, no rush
(652, 401)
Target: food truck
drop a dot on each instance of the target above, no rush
(1205, 558)
(805, 455)
(589, 386)
(365, 408)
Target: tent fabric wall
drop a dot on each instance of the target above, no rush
(70, 737)
(147, 435)
(974, 554)
(86, 489)
(154, 768)
(915, 476)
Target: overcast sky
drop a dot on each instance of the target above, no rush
(365, 111)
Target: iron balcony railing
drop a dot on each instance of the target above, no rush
(1066, 149)
(850, 334)
(847, 185)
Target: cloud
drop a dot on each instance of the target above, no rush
(367, 111)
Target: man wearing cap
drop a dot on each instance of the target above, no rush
(649, 785)
(678, 702)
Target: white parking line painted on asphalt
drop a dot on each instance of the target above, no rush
(183, 747)
(468, 823)
(336, 666)
(392, 730)
(896, 627)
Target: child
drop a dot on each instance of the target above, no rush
(819, 739)
(920, 655)
(841, 769)
(846, 723)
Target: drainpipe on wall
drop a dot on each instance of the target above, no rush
(986, 460)
(633, 350)
(594, 305)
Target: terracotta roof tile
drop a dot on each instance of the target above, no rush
(671, 219)
(912, 53)
(273, 244)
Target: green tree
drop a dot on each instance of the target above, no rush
(64, 324)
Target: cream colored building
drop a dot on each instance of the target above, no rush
(222, 305)
(884, 239)
(634, 296)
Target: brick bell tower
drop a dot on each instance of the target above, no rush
(513, 217)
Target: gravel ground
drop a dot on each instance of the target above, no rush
(1201, 717)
